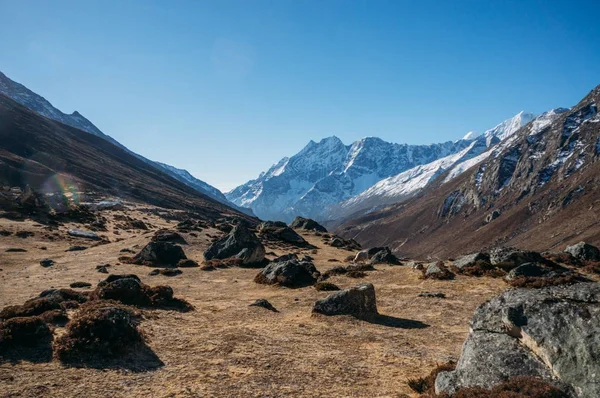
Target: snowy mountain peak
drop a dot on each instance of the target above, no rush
(471, 135)
(508, 127)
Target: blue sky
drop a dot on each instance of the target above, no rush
(227, 88)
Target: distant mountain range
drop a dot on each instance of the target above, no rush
(538, 188)
(332, 181)
(39, 104)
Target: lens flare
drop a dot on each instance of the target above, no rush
(62, 192)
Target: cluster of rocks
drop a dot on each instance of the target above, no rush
(341, 243)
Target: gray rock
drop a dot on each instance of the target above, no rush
(492, 216)
(384, 256)
(264, 304)
(584, 251)
(159, 253)
(358, 301)
(307, 224)
(239, 243)
(552, 333)
(509, 257)
(277, 230)
(289, 273)
(470, 259)
(433, 268)
(46, 262)
(526, 270)
(83, 234)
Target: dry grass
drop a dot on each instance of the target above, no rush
(226, 348)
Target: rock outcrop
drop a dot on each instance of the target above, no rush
(279, 231)
(551, 333)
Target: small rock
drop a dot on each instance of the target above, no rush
(83, 234)
(432, 295)
(526, 270)
(154, 272)
(46, 262)
(102, 269)
(264, 304)
(15, 250)
(76, 248)
(171, 272)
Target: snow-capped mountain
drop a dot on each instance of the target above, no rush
(410, 182)
(329, 172)
(537, 188)
(40, 105)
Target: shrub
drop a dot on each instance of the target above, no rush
(480, 268)
(100, 329)
(24, 331)
(423, 385)
(356, 274)
(544, 281)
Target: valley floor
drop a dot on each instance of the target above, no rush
(227, 349)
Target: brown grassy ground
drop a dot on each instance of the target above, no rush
(226, 348)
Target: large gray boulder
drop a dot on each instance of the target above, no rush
(584, 251)
(239, 243)
(551, 333)
(358, 301)
(307, 224)
(289, 273)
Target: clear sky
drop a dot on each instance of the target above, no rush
(227, 88)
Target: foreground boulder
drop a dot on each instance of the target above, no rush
(159, 253)
(584, 251)
(551, 333)
(239, 243)
(277, 230)
(289, 273)
(307, 224)
(164, 235)
(358, 301)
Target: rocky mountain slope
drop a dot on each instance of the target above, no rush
(410, 182)
(55, 158)
(39, 104)
(328, 172)
(537, 189)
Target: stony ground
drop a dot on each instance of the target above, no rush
(227, 349)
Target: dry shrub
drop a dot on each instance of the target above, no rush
(425, 385)
(326, 286)
(31, 307)
(55, 317)
(563, 258)
(349, 258)
(356, 274)
(480, 268)
(333, 260)
(544, 281)
(360, 267)
(24, 331)
(591, 267)
(516, 387)
(224, 263)
(128, 289)
(339, 270)
(100, 330)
